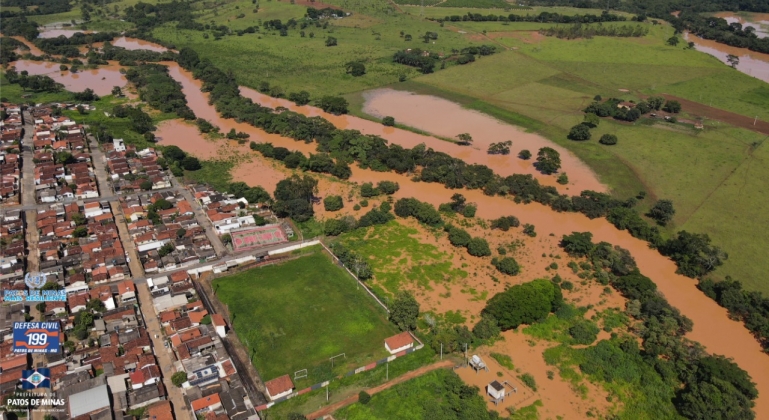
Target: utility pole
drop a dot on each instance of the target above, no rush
(441, 351)
(387, 376)
(466, 363)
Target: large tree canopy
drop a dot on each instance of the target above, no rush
(524, 304)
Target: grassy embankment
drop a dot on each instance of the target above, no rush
(298, 314)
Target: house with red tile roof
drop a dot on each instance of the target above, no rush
(209, 403)
(279, 387)
(400, 342)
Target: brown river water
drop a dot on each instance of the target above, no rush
(751, 63)
(712, 327)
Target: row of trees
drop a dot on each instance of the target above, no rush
(705, 386)
(321, 162)
(544, 17)
(160, 90)
(750, 307)
(719, 30)
(579, 30)
(34, 83)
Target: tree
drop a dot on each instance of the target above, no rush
(191, 163)
(179, 378)
(465, 139)
(364, 397)
(330, 41)
(655, 102)
(501, 148)
(404, 311)
(299, 98)
(528, 230)
(584, 332)
(95, 305)
(673, 41)
(355, 68)
(181, 232)
(457, 236)
(478, 247)
(507, 265)
(333, 104)
(293, 197)
(146, 185)
(578, 244)
(388, 187)
(80, 232)
(486, 328)
(174, 153)
(524, 154)
(715, 399)
(672, 106)
(733, 60)
(524, 304)
(548, 160)
(662, 212)
(333, 203)
(580, 132)
(166, 249)
(388, 121)
(117, 91)
(563, 179)
(608, 139)
(79, 219)
(591, 120)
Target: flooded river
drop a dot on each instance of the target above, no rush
(759, 21)
(712, 326)
(751, 63)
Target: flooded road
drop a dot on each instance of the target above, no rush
(101, 80)
(751, 63)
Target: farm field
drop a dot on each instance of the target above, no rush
(298, 314)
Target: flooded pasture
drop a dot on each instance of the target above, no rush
(101, 80)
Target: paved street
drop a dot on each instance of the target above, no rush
(203, 220)
(165, 359)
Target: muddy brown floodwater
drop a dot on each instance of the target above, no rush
(759, 22)
(53, 33)
(712, 326)
(101, 80)
(137, 44)
(447, 119)
(751, 63)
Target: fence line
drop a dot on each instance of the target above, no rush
(355, 277)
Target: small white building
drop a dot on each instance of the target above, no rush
(217, 320)
(496, 390)
(76, 287)
(92, 210)
(399, 343)
(119, 145)
(279, 387)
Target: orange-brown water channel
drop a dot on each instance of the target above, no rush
(752, 63)
(712, 326)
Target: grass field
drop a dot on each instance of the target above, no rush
(298, 314)
(398, 258)
(419, 398)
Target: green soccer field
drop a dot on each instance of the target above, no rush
(298, 314)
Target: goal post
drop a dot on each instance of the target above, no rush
(299, 374)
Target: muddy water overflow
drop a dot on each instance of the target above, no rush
(751, 63)
(101, 80)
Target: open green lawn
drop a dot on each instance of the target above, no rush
(425, 397)
(397, 257)
(298, 314)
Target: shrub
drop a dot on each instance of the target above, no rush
(524, 154)
(504, 223)
(529, 381)
(528, 229)
(478, 247)
(486, 328)
(563, 179)
(567, 285)
(333, 203)
(608, 139)
(458, 237)
(507, 265)
(364, 397)
(387, 187)
(584, 332)
(469, 211)
(368, 190)
(388, 121)
(579, 132)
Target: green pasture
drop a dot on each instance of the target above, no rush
(297, 314)
(398, 258)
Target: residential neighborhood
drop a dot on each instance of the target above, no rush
(108, 226)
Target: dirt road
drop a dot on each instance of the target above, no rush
(696, 108)
(444, 364)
